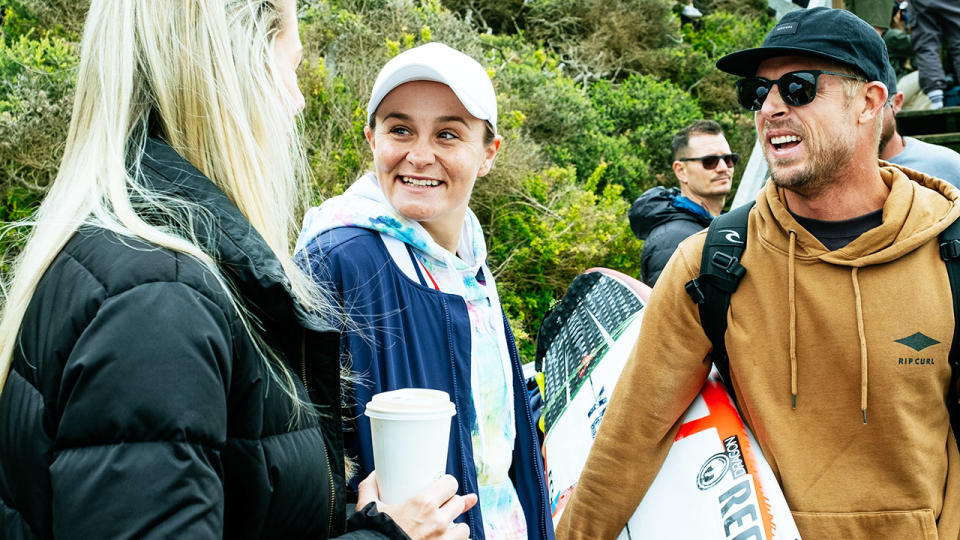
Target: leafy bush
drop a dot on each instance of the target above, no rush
(60, 18)
(603, 39)
(626, 125)
(36, 90)
(499, 16)
(644, 113)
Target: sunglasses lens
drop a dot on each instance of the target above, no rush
(751, 92)
(798, 88)
(710, 162)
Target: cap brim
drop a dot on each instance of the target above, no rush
(744, 63)
(421, 72)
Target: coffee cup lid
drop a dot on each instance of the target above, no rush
(410, 403)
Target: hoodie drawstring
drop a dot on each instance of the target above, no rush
(863, 346)
(792, 300)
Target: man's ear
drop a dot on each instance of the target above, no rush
(680, 171)
(875, 97)
(897, 102)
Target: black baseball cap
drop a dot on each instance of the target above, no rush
(890, 80)
(832, 34)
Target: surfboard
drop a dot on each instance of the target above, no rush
(714, 483)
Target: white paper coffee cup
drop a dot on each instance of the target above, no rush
(410, 429)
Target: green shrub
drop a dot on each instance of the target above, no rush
(36, 91)
(60, 18)
(547, 229)
(493, 16)
(603, 39)
(644, 113)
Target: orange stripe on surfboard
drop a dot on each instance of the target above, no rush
(726, 420)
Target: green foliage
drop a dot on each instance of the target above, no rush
(36, 88)
(722, 33)
(626, 125)
(603, 39)
(495, 16)
(746, 9)
(644, 113)
(60, 18)
(547, 229)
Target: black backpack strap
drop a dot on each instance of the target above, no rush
(950, 252)
(720, 274)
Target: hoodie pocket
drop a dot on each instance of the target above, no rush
(918, 524)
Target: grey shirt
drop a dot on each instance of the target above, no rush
(932, 159)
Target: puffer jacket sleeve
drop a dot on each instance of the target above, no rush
(142, 418)
(661, 244)
(370, 524)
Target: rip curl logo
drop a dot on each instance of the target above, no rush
(731, 236)
(917, 342)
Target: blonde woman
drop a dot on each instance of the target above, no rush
(408, 259)
(153, 338)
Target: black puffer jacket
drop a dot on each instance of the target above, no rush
(137, 407)
(662, 224)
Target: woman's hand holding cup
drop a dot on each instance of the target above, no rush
(427, 515)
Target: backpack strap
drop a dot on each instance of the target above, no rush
(950, 252)
(720, 274)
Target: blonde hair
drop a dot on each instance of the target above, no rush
(203, 73)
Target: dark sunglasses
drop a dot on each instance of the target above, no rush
(796, 88)
(711, 162)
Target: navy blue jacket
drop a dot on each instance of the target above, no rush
(411, 335)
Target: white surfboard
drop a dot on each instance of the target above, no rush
(714, 484)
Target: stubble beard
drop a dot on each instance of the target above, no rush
(818, 173)
(886, 133)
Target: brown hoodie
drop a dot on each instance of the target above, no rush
(863, 332)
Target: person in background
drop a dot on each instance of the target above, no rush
(824, 338)
(689, 12)
(407, 258)
(935, 21)
(662, 217)
(899, 46)
(932, 159)
(153, 337)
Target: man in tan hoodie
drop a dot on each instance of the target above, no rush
(839, 333)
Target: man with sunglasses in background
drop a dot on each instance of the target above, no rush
(839, 332)
(662, 217)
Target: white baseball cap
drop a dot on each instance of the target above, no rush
(440, 63)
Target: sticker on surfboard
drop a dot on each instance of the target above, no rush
(714, 483)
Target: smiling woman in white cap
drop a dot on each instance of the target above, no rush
(408, 260)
